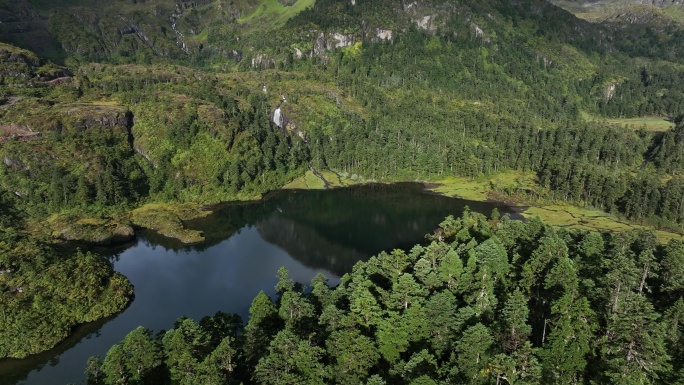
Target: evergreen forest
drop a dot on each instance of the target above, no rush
(121, 115)
(482, 302)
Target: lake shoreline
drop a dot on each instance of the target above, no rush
(168, 219)
(304, 230)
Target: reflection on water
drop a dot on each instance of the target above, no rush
(333, 229)
(14, 370)
(306, 231)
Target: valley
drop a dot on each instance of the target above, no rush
(121, 117)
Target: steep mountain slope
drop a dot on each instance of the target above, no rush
(126, 31)
(640, 28)
(595, 9)
(203, 102)
(352, 83)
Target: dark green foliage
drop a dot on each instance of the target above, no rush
(647, 91)
(43, 294)
(383, 325)
(490, 86)
(487, 86)
(101, 159)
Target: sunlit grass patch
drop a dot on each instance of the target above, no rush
(513, 182)
(479, 189)
(339, 180)
(591, 16)
(566, 215)
(471, 189)
(167, 219)
(588, 219)
(675, 11)
(309, 181)
(71, 226)
(649, 123)
(273, 10)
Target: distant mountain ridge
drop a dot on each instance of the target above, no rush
(607, 9)
(203, 31)
(139, 31)
(620, 3)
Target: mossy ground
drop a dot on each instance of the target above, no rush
(649, 123)
(341, 179)
(480, 189)
(554, 214)
(76, 227)
(167, 219)
(275, 12)
(675, 11)
(309, 181)
(588, 219)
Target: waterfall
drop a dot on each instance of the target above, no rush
(278, 118)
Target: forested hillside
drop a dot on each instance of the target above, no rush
(107, 107)
(651, 28)
(381, 92)
(483, 302)
(45, 292)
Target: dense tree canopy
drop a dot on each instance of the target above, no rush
(177, 105)
(44, 293)
(495, 301)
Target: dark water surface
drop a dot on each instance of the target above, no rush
(306, 231)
